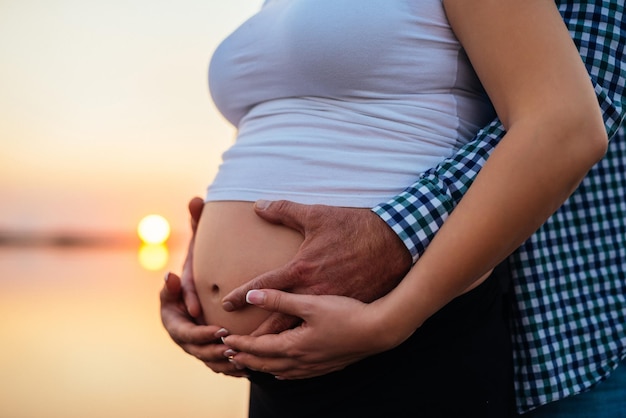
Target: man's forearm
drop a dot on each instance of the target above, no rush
(419, 211)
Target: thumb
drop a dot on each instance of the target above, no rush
(283, 212)
(278, 301)
(171, 290)
(192, 301)
(195, 207)
(276, 279)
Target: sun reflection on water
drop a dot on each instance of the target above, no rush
(153, 257)
(82, 337)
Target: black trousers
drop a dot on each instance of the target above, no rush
(458, 364)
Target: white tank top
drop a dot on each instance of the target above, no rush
(341, 102)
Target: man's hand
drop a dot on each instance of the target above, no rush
(346, 251)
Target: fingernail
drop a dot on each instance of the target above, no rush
(228, 306)
(221, 333)
(255, 297)
(262, 204)
(279, 378)
(167, 276)
(230, 353)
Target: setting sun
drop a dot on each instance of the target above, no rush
(153, 229)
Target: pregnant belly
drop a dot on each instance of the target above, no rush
(232, 246)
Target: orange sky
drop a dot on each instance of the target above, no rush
(105, 114)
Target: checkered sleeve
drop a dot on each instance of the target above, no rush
(420, 210)
(597, 29)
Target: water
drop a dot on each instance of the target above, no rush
(81, 337)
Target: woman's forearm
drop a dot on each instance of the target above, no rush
(520, 186)
(555, 133)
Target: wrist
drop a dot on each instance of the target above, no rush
(389, 324)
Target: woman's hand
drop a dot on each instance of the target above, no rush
(335, 332)
(181, 312)
(201, 341)
(188, 287)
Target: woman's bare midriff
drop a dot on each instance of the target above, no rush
(232, 246)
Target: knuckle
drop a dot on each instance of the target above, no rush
(280, 205)
(294, 353)
(303, 270)
(319, 212)
(258, 283)
(278, 301)
(279, 323)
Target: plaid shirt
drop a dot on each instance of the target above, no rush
(569, 278)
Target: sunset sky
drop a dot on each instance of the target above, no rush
(105, 114)
(105, 117)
